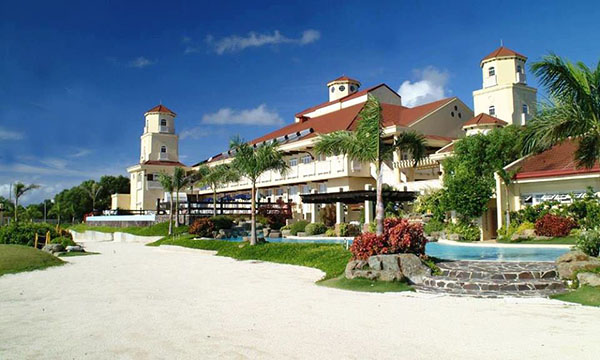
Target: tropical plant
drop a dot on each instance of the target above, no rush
(367, 145)
(573, 110)
(315, 229)
(19, 190)
(202, 227)
(215, 176)
(166, 181)
(180, 180)
(92, 189)
(58, 210)
(589, 242)
(298, 226)
(554, 225)
(253, 161)
(399, 236)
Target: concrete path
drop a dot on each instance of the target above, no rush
(138, 302)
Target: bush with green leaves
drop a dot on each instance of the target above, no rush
(222, 222)
(330, 233)
(202, 227)
(315, 229)
(432, 203)
(433, 225)
(468, 231)
(24, 233)
(347, 230)
(589, 242)
(298, 226)
(64, 241)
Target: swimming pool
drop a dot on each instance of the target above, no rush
(457, 251)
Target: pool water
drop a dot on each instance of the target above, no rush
(453, 251)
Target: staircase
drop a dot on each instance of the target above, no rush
(494, 279)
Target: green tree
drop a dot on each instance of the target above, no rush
(19, 190)
(573, 111)
(217, 175)
(469, 174)
(111, 185)
(58, 210)
(166, 181)
(180, 180)
(368, 145)
(251, 162)
(92, 189)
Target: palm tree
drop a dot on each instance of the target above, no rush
(166, 181)
(216, 175)
(19, 190)
(180, 180)
(574, 111)
(367, 145)
(92, 189)
(251, 162)
(58, 210)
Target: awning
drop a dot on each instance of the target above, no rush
(354, 197)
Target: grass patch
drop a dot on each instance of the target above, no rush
(365, 285)
(77, 253)
(160, 229)
(330, 258)
(19, 258)
(585, 295)
(567, 240)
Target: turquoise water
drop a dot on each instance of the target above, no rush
(460, 252)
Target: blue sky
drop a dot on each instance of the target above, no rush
(76, 77)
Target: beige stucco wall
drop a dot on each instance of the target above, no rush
(442, 123)
(143, 193)
(120, 201)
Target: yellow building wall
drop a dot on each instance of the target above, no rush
(120, 201)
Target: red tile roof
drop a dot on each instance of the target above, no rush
(162, 163)
(446, 149)
(557, 161)
(344, 78)
(503, 52)
(161, 109)
(484, 119)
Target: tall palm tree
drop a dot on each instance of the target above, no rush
(57, 209)
(251, 162)
(217, 175)
(180, 180)
(19, 190)
(92, 189)
(367, 145)
(574, 111)
(166, 181)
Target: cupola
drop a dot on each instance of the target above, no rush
(342, 87)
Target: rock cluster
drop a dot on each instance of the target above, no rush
(389, 268)
(572, 262)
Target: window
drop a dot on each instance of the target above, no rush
(268, 192)
(342, 88)
(163, 122)
(279, 191)
(455, 108)
(293, 162)
(492, 110)
(306, 159)
(150, 177)
(163, 149)
(491, 71)
(352, 88)
(459, 115)
(293, 190)
(305, 189)
(322, 188)
(332, 89)
(519, 68)
(525, 109)
(452, 114)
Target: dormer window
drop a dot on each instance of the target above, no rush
(163, 149)
(333, 89)
(491, 71)
(163, 122)
(342, 88)
(492, 110)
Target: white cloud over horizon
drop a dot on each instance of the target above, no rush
(235, 43)
(10, 135)
(260, 115)
(430, 86)
(140, 62)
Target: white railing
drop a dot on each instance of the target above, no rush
(406, 164)
(324, 167)
(307, 169)
(490, 81)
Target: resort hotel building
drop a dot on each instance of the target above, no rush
(314, 181)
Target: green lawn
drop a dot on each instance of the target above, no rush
(77, 253)
(585, 295)
(161, 229)
(567, 240)
(18, 258)
(365, 285)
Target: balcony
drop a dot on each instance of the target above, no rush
(490, 81)
(521, 78)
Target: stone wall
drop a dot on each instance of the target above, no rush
(395, 267)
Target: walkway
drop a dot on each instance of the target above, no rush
(137, 302)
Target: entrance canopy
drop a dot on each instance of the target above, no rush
(358, 196)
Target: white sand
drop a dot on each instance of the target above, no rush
(137, 302)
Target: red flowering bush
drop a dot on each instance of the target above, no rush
(554, 225)
(203, 227)
(399, 236)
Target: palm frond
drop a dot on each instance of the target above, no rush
(412, 142)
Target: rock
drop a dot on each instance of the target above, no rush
(455, 237)
(274, 234)
(266, 231)
(75, 248)
(367, 274)
(352, 266)
(374, 263)
(390, 276)
(590, 279)
(53, 248)
(413, 269)
(567, 270)
(226, 233)
(572, 256)
(301, 233)
(390, 262)
(285, 233)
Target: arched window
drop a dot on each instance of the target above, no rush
(163, 149)
(492, 110)
(163, 122)
(491, 71)
(525, 109)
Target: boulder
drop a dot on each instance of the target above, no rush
(590, 279)
(390, 276)
(390, 262)
(285, 233)
(274, 234)
(572, 256)
(75, 248)
(352, 266)
(374, 263)
(301, 233)
(567, 270)
(53, 248)
(413, 269)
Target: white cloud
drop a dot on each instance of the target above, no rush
(10, 135)
(195, 133)
(236, 43)
(81, 153)
(140, 62)
(260, 115)
(430, 86)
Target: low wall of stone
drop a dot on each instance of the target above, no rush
(97, 236)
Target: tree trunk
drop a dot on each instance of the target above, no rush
(177, 208)
(507, 216)
(253, 215)
(16, 208)
(171, 215)
(214, 200)
(379, 211)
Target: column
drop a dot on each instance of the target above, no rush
(339, 212)
(368, 207)
(313, 209)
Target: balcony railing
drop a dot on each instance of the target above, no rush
(405, 164)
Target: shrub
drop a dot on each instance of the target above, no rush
(202, 227)
(64, 241)
(287, 227)
(554, 225)
(468, 231)
(330, 233)
(368, 244)
(400, 237)
(525, 226)
(433, 225)
(328, 215)
(589, 242)
(298, 226)
(222, 222)
(315, 229)
(348, 230)
(261, 219)
(24, 233)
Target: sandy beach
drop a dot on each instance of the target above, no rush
(138, 302)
